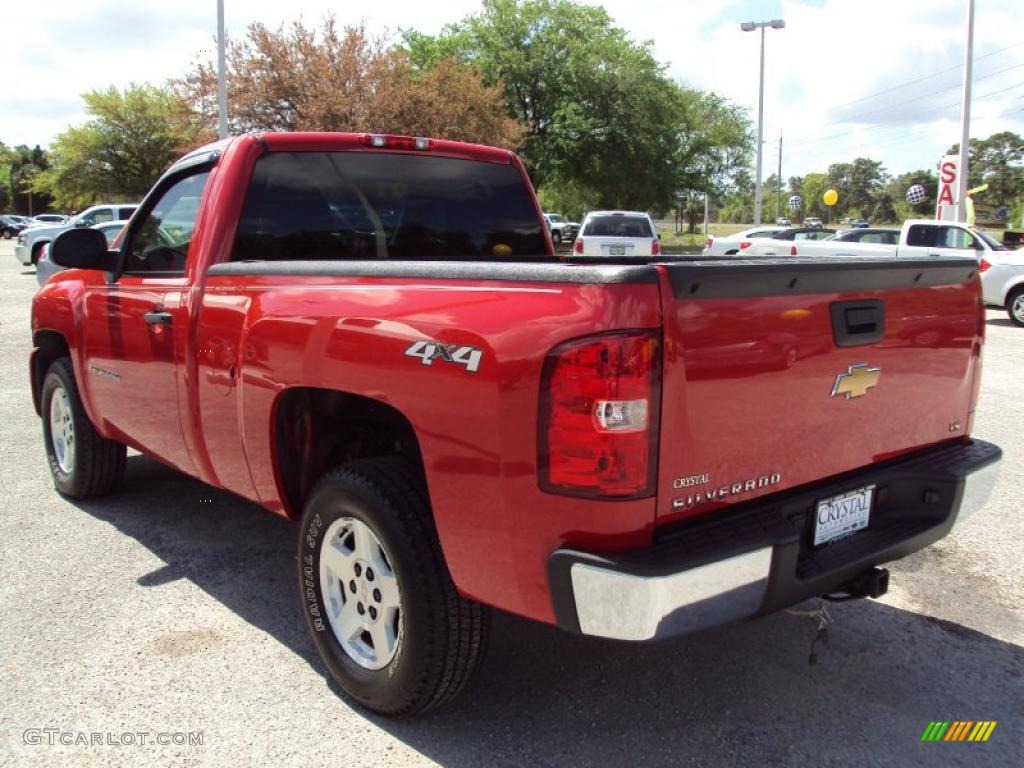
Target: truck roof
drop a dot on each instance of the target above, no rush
(311, 141)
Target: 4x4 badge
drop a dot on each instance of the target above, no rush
(856, 381)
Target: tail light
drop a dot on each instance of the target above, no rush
(792, 250)
(599, 414)
(983, 265)
(395, 142)
(745, 244)
(708, 243)
(656, 247)
(577, 246)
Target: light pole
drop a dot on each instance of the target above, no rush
(750, 26)
(222, 91)
(965, 118)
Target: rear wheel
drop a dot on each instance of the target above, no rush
(82, 463)
(1015, 306)
(379, 601)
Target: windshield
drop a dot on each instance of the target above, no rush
(377, 205)
(554, 218)
(994, 244)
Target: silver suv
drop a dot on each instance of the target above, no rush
(32, 240)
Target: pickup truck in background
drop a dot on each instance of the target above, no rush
(919, 238)
(371, 335)
(562, 230)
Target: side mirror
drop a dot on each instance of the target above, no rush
(81, 224)
(82, 249)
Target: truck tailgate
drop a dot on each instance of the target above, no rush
(782, 372)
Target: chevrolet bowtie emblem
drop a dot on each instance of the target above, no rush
(856, 381)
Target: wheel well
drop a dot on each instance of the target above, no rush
(317, 430)
(49, 346)
(37, 248)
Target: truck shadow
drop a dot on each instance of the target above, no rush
(744, 694)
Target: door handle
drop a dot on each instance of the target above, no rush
(158, 318)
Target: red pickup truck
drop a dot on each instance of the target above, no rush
(371, 335)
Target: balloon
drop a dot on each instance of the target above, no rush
(795, 202)
(915, 194)
(830, 197)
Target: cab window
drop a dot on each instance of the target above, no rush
(955, 237)
(160, 242)
(922, 235)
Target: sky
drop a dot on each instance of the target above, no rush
(844, 79)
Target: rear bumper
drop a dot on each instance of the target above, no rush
(756, 558)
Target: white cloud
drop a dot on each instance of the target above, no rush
(821, 71)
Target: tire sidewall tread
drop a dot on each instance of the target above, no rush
(442, 634)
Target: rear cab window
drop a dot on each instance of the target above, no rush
(378, 205)
(618, 226)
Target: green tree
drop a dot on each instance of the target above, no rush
(23, 166)
(132, 137)
(996, 161)
(856, 183)
(813, 188)
(599, 111)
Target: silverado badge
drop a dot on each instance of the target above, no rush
(856, 381)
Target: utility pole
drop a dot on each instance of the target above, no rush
(778, 185)
(222, 91)
(965, 126)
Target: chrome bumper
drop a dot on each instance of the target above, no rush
(705, 575)
(627, 607)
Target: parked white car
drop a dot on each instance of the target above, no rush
(1002, 282)
(617, 233)
(730, 245)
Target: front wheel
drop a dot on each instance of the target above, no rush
(82, 462)
(556, 237)
(1015, 306)
(377, 595)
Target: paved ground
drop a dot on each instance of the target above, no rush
(158, 612)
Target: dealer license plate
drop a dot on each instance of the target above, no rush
(617, 250)
(842, 515)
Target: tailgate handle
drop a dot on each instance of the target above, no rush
(858, 322)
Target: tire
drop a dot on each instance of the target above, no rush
(556, 237)
(372, 520)
(83, 463)
(7, 234)
(1015, 306)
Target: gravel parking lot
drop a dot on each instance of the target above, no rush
(169, 610)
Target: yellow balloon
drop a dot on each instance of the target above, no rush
(830, 197)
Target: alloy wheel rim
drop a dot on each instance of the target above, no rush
(361, 594)
(62, 430)
(1018, 308)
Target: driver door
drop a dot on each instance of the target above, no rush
(136, 328)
